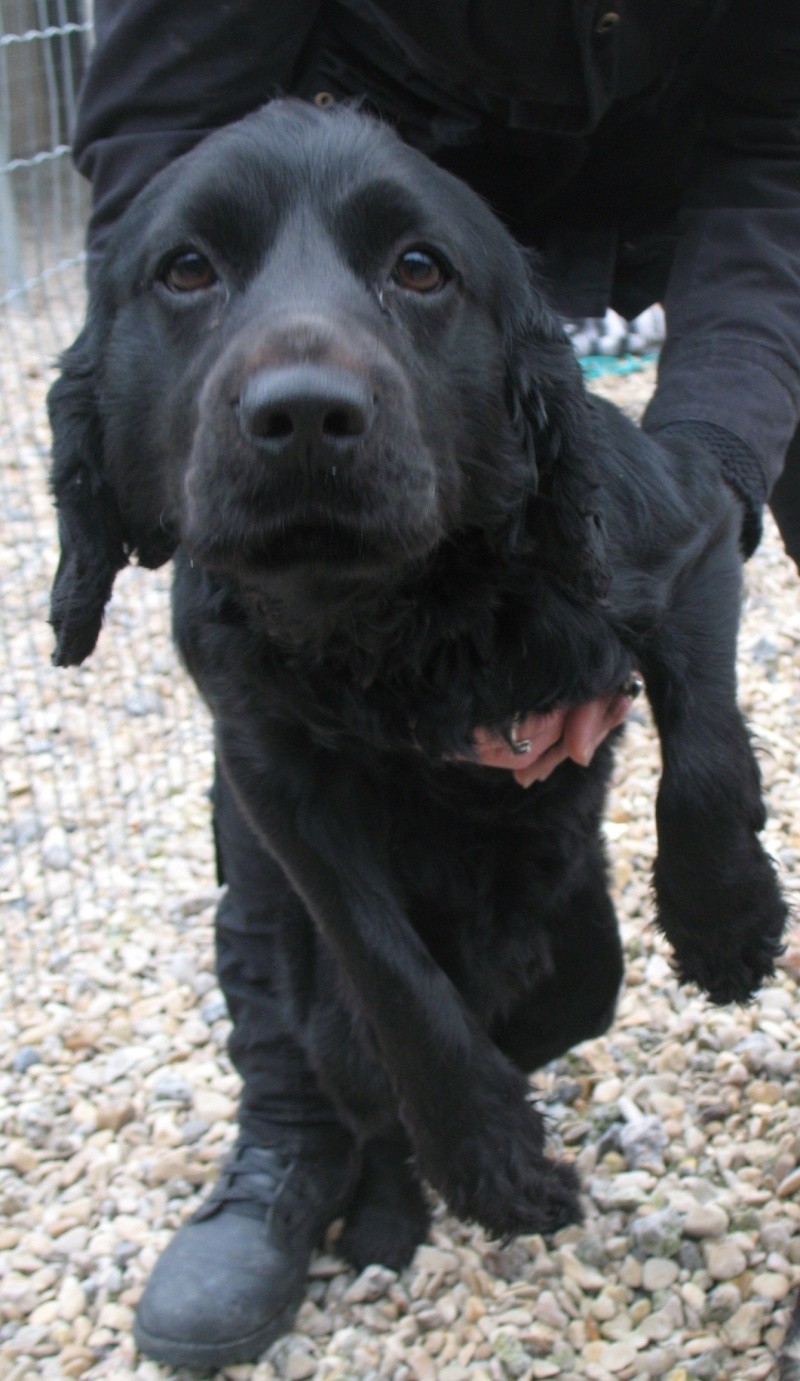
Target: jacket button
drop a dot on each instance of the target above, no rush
(607, 22)
(324, 99)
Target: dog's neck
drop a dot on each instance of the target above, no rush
(314, 616)
(362, 623)
(472, 638)
(459, 590)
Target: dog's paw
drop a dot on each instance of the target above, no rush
(524, 1195)
(388, 1216)
(383, 1234)
(720, 908)
(727, 972)
(498, 1177)
(725, 940)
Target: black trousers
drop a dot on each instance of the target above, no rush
(279, 1091)
(785, 501)
(280, 1096)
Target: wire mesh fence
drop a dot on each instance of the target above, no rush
(99, 767)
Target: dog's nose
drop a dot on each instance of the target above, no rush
(305, 410)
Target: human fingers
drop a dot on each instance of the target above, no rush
(544, 765)
(586, 726)
(535, 736)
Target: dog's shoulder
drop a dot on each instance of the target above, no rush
(660, 508)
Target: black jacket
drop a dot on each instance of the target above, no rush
(648, 148)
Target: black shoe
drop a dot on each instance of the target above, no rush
(233, 1277)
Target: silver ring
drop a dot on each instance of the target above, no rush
(519, 746)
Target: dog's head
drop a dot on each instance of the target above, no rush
(308, 348)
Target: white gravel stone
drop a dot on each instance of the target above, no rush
(771, 1285)
(724, 1259)
(704, 1220)
(607, 1091)
(613, 1357)
(659, 1273)
(373, 1282)
(743, 1329)
(625, 1191)
(71, 1299)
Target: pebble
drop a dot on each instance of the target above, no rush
(644, 1142)
(585, 1277)
(373, 1282)
(743, 1329)
(141, 703)
(193, 1129)
(613, 1357)
(214, 1010)
(115, 1116)
(71, 1299)
(549, 1311)
(657, 1234)
(626, 1191)
(172, 1087)
(704, 1220)
(724, 1259)
(56, 852)
(771, 1285)
(294, 1358)
(25, 1058)
(212, 1106)
(607, 1091)
(723, 1301)
(790, 1185)
(659, 1273)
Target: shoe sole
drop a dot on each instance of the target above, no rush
(212, 1356)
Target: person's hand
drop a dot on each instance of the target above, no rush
(549, 739)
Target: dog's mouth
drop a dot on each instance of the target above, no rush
(335, 549)
(358, 523)
(314, 543)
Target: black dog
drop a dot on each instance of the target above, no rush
(318, 369)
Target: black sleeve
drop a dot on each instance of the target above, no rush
(164, 73)
(732, 357)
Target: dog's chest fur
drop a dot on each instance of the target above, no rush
(472, 641)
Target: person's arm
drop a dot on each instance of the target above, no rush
(163, 74)
(729, 374)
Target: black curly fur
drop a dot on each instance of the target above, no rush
(491, 543)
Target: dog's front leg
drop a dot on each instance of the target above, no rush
(476, 1137)
(718, 899)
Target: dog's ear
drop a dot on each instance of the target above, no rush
(94, 545)
(553, 425)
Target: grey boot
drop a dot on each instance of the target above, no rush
(233, 1276)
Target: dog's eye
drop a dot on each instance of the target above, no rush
(418, 271)
(188, 272)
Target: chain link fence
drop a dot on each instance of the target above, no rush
(102, 769)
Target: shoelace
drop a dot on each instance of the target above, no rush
(263, 1176)
(253, 1175)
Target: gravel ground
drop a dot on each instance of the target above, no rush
(117, 1100)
